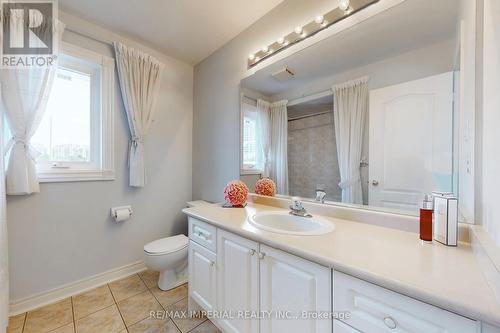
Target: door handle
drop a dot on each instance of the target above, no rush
(375, 182)
(261, 255)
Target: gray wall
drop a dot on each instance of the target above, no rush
(216, 132)
(64, 233)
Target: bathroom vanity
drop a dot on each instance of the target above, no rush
(356, 278)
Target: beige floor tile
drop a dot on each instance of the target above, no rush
(49, 317)
(107, 320)
(137, 308)
(181, 316)
(127, 287)
(169, 297)
(70, 328)
(15, 330)
(151, 325)
(206, 327)
(92, 301)
(150, 278)
(17, 321)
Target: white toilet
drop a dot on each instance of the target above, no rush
(169, 256)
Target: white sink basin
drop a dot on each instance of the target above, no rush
(284, 223)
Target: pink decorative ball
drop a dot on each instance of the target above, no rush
(236, 193)
(265, 186)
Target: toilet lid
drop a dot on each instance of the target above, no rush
(167, 245)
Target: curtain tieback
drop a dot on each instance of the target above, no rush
(348, 183)
(136, 140)
(18, 140)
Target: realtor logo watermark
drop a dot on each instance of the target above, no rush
(28, 33)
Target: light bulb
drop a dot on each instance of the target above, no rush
(324, 24)
(319, 19)
(344, 4)
(286, 43)
(257, 59)
(298, 30)
(265, 49)
(281, 40)
(304, 34)
(251, 56)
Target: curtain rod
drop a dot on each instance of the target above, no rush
(90, 36)
(309, 115)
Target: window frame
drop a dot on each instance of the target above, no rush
(105, 167)
(244, 170)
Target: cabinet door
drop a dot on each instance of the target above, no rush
(237, 282)
(293, 291)
(202, 276)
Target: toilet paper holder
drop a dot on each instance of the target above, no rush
(117, 213)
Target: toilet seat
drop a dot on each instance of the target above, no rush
(166, 245)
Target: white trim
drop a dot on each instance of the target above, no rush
(106, 168)
(74, 288)
(73, 175)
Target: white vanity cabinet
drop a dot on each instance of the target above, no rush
(243, 279)
(377, 310)
(293, 287)
(202, 276)
(237, 281)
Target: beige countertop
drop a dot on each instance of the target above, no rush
(447, 277)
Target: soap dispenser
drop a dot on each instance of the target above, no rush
(426, 219)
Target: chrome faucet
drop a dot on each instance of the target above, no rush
(297, 209)
(320, 195)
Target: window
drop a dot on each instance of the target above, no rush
(74, 140)
(251, 151)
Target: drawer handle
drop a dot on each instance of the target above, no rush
(212, 263)
(389, 322)
(251, 252)
(261, 255)
(203, 235)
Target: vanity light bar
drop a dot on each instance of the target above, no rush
(300, 33)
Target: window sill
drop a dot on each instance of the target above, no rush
(75, 176)
(250, 172)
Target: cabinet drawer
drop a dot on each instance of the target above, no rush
(340, 327)
(377, 310)
(203, 234)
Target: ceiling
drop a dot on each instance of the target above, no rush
(410, 25)
(189, 30)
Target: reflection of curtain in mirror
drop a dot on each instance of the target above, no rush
(273, 126)
(350, 106)
(263, 124)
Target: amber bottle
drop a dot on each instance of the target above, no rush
(426, 219)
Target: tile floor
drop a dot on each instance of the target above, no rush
(120, 306)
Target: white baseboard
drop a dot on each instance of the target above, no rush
(74, 288)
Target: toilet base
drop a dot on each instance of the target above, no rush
(172, 278)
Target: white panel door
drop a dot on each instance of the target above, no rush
(290, 286)
(411, 135)
(202, 276)
(237, 282)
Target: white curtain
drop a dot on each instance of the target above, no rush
(25, 93)
(350, 107)
(140, 76)
(4, 267)
(273, 127)
(263, 124)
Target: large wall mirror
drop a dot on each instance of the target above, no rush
(377, 115)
